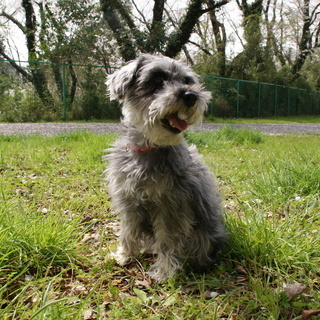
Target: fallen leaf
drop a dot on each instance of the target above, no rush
(144, 283)
(141, 295)
(306, 314)
(95, 237)
(210, 294)
(241, 279)
(88, 315)
(28, 278)
(170, 300)
(294, 289)
(241, 269)
(86, 237)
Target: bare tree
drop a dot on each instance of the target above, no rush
(220, 37)
(29, 29)
(46, 29)
(156, 38)
(309, 40)
(251, 13)
(293, 32)
(272, 42)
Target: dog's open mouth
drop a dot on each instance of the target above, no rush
(173, 123)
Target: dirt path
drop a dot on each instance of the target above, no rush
(48, 129)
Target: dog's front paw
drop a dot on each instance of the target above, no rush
(121, 258)
(163, 269)
(159, 272)
(157, 275)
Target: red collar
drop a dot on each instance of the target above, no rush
(137, 149)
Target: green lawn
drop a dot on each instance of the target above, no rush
(56, 231)
(280, 120)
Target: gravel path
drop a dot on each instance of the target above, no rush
(48, 129)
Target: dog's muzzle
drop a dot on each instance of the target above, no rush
(173, 122)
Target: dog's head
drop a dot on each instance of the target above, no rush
(161, 97)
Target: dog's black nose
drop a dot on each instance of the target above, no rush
(189, 98)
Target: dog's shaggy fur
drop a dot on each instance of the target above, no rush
(163, 193)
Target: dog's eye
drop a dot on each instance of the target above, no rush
(158, 83)
(188, 80)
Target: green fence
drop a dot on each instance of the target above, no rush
(52, 91)
(249, 99)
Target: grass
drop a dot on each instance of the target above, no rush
(56, 231)
(275, 120)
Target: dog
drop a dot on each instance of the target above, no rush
(162, 191)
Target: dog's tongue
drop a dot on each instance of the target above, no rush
(178, 123)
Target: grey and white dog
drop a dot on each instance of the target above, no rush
(163, 193)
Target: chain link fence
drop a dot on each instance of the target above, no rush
(46, 91)
(249, 99)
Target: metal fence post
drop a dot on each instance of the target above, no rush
(64, 91)
(288, 101)
(211, 89)
(238, 96)
(275, 99)
(298, 98)
(259, 99)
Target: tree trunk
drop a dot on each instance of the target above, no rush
(123, 36)
(38, 79)
(219, 33)
(305, 45)
(74, 81)
(156, 39)
(181, 36)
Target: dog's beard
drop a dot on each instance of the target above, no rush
(163, 126)
(158, 131)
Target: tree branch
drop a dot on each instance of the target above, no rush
(125, 43)
(314, 14)
(206, 51)
(215, 6)
(14, 20)
(182, 35)
(316, 37)
(16, 66)
(30, 28)
(156, 38)
(143, 18)
(304, 44)
(124, 12)
(220, 39)
(157, 13)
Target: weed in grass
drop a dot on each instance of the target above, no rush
(36, 240)
(240, 136)
(223, 135)
(286, 179)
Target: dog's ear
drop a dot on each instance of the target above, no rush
(121, 80)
